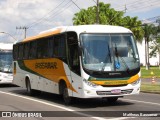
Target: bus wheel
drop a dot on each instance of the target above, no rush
(67, 99)
(112, 99)
(30, 91)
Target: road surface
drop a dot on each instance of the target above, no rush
(13, 98)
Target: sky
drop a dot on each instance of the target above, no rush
(40, 15)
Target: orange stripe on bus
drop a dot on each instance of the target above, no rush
(117, 82)
(43, 35)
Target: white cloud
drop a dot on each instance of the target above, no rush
(16, 13)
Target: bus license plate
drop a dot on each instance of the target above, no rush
(116, 91)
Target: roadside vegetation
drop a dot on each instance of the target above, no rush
(150, 87)
(147, 73)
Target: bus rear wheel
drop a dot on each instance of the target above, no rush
(30, 91)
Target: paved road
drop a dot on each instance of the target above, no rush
(13, 98)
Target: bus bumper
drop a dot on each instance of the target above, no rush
(101, 92)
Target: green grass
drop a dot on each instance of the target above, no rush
(150, 88)
(147, 73)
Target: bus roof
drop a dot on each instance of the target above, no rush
(80, 29)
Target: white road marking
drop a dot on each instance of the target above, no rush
(67, 109)
(142, 102)
(53, 105)
(118, 118)
(121, 118)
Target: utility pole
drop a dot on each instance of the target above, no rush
(25, 30)
(125, 9)
(97, 12)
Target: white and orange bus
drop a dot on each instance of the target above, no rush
(86, 61)
(6, 76)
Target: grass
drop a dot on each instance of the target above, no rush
(147, 73)
(150, 88)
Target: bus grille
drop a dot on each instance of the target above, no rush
(128, 91)
(114, 85)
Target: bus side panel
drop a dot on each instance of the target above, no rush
(77, 83)
(50, 86)
(40, 80)
(18, 76)
(34, 79)
(68, 79)
(46, 79)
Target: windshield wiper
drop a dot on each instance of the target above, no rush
(117, 55)
(109, 54)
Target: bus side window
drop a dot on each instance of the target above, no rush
(15, 52)
(56, 44)
(20, 51)
(44, 48)
(33, 50)
(60, 47)
(39, 49)
(26, 51)
(73, 53)
(50, 47)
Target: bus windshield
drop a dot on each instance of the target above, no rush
(6, 61)
(109, 52)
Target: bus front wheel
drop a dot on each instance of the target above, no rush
(112, 99)
(67, 99)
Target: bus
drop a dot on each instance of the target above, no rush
(6, 76)
(85, 61)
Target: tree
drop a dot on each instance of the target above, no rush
(106, 15)
(149, 30)
(135, 26)
(155, 47)
(84, 17)
(109, 16)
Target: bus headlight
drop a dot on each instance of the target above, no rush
(89, 83)
(136, 82)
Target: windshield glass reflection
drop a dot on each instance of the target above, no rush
(109, 52)
(6, 62)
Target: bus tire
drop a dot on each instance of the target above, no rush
(67, 99)
(30, 91)
(112, 99)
